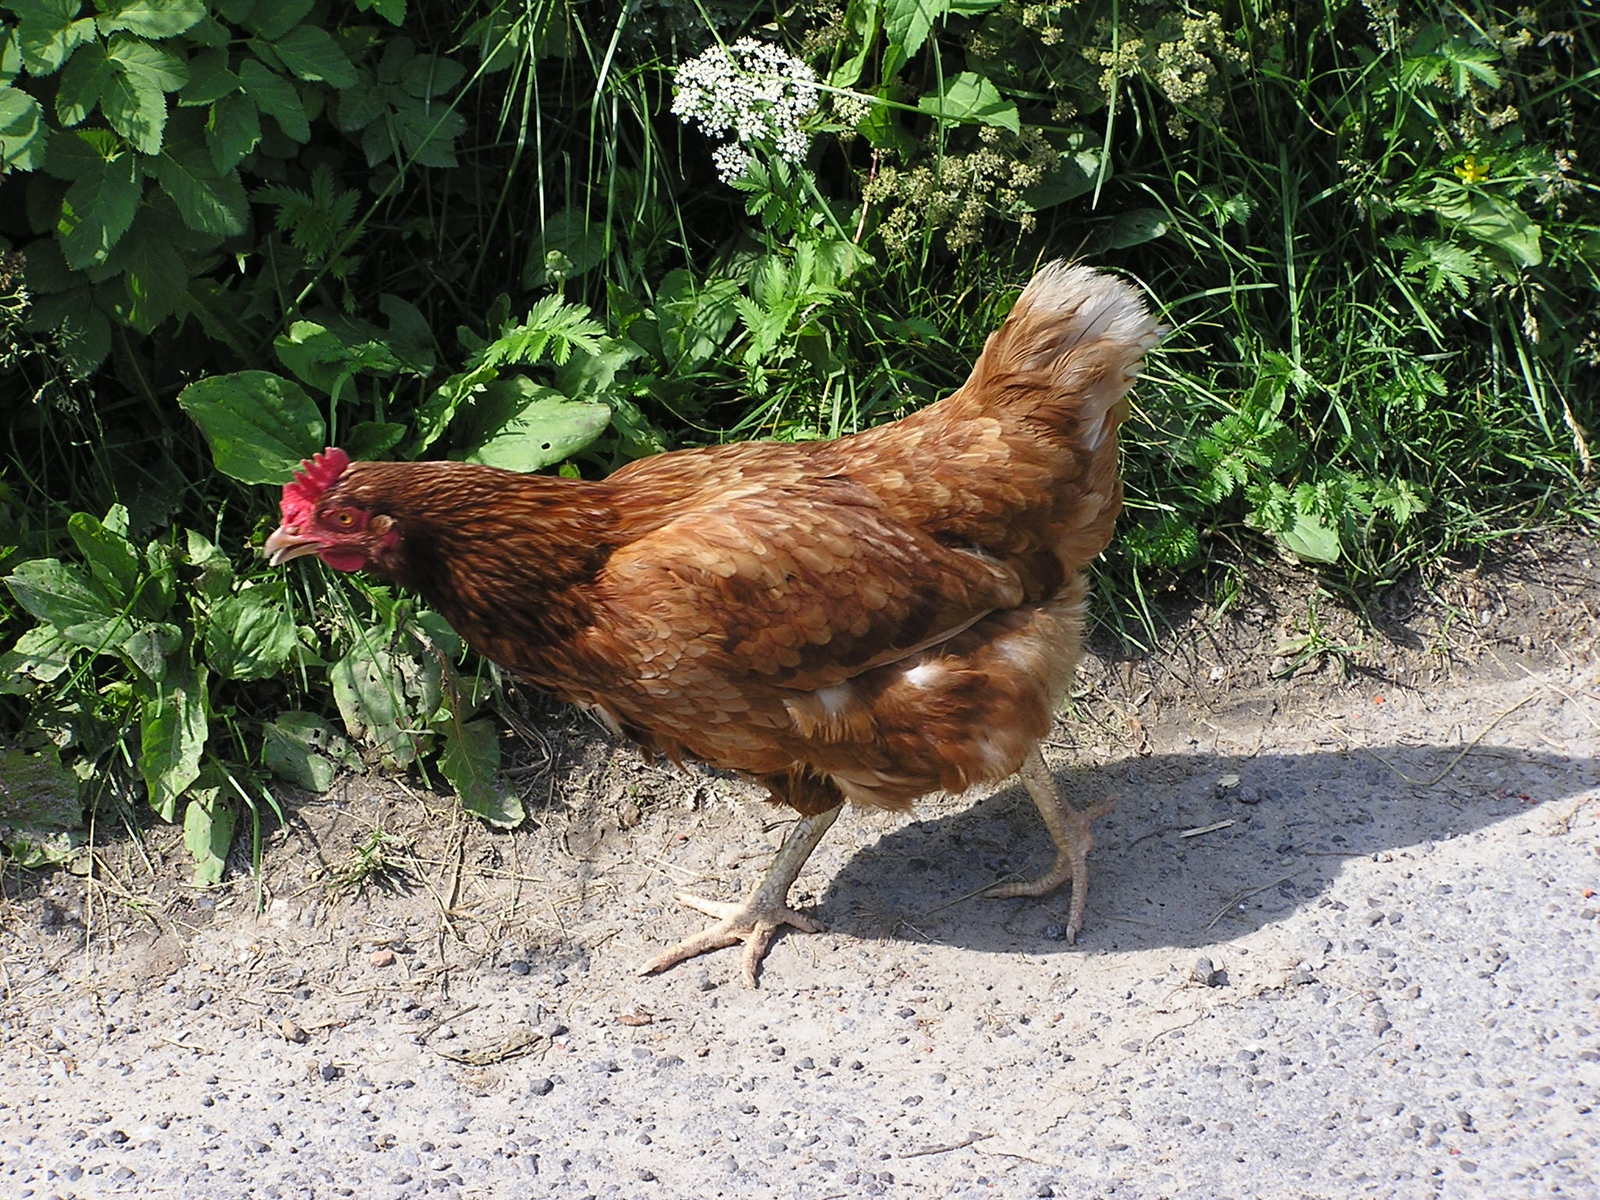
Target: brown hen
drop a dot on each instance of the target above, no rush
(868, 619)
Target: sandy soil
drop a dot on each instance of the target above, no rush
(1341, 940)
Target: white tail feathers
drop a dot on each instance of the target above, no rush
(1065, 306)
(1087, 332)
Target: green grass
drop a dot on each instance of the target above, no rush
(1377, 244)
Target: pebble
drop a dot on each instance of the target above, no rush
(382, 958)
(1204, 973)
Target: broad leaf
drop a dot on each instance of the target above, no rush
(22, 132)
(303, 749)
(98, 209)
(232, 132)
(276, 97)
(133, 94)
(82, 83)
(272, 19)
(209, 79)
(370, 694)
(41, 814)
(41, 655)
(208, 200)
(249, 635)
(61, 595)
(149, 647)
(110, 556)
(152, 18)
(311, 53)
(172, 734)
(207, 833)
(471, 762)
(906, 24)
(259, 425)
(48, 31)
(970, 97)
(521, 426)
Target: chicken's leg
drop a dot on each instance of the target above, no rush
(755, 921)
(1070, 830)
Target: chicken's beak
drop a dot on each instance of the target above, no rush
(286, 543)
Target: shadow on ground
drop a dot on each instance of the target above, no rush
(1297, 819)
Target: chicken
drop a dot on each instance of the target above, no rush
(868, 619)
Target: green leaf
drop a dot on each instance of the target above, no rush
(110, 555)
(1133, 228)
(249, 635)
(208, 823)
(1311, 538)
(41, 813)
(216, 572)
(131, 95)
(61, 595)
(150, 65)
(41, 655)
(272, 19)
(155, 272)
(970, 97)
(208, 200)
(311, 53)
(303, 749)
(861, 30)
(569, 245)
(98, 209)
(373, 439)
(148, 648)
(82, 84)
(429, 75)
(259, 425)
(232, 132)
(358, 106)
(22, 132)
(48, 32)
(369, 691)
(209, 79)
(521, 426)
(152, 18)
(172, 734)
(392, 11)
(471, 762)
(906, 24)
(276, 97)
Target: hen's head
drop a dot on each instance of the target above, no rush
(322, 517)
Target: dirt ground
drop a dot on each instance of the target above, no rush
(1340, 940)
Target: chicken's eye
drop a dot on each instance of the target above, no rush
(344, 518)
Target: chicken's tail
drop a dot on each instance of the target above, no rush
(1069, 352)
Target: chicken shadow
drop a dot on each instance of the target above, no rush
(1291, 821)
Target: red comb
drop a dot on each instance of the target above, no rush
(310, 481)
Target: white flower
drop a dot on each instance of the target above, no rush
(751, 93)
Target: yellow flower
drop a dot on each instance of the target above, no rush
(1472, 171)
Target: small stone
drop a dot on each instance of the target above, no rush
(1056, 931)
(329, 1072)
(519, 966)
(541, 1087)
(1227, 787)
(1301, 975)
(292, 1032)
(382, 958)
(1203, 973)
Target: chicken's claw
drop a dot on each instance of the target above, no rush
(749, 921)
(1071, 829)
(756, 919)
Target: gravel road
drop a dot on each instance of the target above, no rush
(1367, 967)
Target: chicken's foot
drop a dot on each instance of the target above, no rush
(755, 921)
(1070, 830)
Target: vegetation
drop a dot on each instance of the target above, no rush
(549, 234)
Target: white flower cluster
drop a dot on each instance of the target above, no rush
(751, 92)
